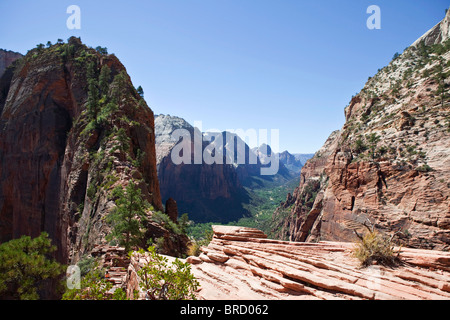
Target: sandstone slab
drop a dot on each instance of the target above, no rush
(260, 268)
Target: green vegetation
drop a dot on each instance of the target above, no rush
(309, 194)
(263, 203)
(162, 281)
(140, 91)
(158, 279)
(195, 244)
(368, 142)
(440, 77)
(424, 168)
(104, 79)
(25, 265)
(128, 218)
(103, 99)
(359, 145)
(102, 50)
(164, 220)
(373, 140)
(94, 286)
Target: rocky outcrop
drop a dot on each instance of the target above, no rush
(390, 162)
(241, 263)
(7, 58)
(68, 139)
(438, 34)
(172, 209)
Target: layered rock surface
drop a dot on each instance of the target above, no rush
(241, 263)
(390, 163)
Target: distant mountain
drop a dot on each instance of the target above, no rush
(303, 157)
(7, 57)
(211, 192)
(294, 162)
(206, 192)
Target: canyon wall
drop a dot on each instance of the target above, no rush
(389, 165)
(69, 136)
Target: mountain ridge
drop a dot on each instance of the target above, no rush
(389, 163)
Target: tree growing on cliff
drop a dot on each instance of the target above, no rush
(140, 91)
(440, 77)
(359, 145)
(25, 264)
(128, 218)
(373, 140)
(102, 50)
(103, 80)
(119, 87)
(93, 93)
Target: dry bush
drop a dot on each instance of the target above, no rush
(373, 246)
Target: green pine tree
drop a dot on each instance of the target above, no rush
(93, 98)
(163, 281)
(103, 80)
(140, 91)
(25, 264)
(373, 140)
(119, 87)
(129, 217)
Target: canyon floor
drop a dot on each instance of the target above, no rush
(242, 264)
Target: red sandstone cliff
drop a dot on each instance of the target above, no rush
(390, 163)
(57, 165)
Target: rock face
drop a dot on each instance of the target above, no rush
(67, 140)
(206, 192)
(7, 58)
(241, 263)
(172, 209)
(390, 162)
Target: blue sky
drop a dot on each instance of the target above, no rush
(290, 65)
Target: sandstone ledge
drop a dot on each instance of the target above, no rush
(241, 263)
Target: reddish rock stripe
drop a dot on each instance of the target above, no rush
(271, 269)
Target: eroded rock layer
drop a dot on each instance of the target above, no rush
(241, 263)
